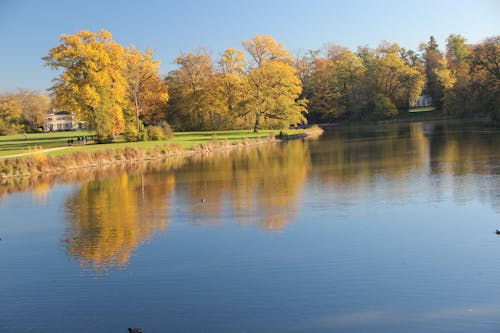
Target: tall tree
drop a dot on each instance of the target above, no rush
(263, 48)
(34, 106)
(146, 89)
(455, 75)
(92, 83)
(273, 84)
(395, 78)
(433, 59)
(189, 88)
(486, 67)
(230, 82)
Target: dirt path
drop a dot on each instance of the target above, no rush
(35, 152)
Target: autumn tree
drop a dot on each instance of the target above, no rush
(367, 84)
(189, 90)
(229, 85)
(10, 115)
(433, 60)
(34, 106)
(455, 76)
(396, 79)
(146, 89)
(23, 111)
(332, 85)
(264, 48)
(93, 81)
(273, 84)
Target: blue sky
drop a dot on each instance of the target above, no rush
(29, 28)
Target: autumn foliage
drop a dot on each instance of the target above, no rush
(107, 85)
(119, 90)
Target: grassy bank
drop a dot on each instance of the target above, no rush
(57, 142)
(49, 152)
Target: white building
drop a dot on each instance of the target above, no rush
(62, 121)
(424, 101)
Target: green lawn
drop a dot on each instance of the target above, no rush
(18, 144)
(423, 109)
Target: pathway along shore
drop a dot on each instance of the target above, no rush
(36, 163)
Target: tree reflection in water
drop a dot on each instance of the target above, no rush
(109, 217)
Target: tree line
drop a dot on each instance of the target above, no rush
(375, 83)
(119, 90)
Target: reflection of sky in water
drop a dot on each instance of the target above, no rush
(380, 231)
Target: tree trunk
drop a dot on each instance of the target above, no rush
(136, 104)
(256, 125)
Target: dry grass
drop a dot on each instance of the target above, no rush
(40, 162)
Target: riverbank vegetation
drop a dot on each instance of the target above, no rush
(119, 92)
(464, 81)
(61, 158)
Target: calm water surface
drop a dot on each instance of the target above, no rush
(381, 229)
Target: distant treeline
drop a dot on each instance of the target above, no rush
(376, 83)
(119, 90)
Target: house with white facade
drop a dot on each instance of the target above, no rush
(424, 101)
(62, 121)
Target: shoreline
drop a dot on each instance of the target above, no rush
(39, 163)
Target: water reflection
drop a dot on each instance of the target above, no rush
(401, 159)
(261, 184)
(108, 219)
(121, 208)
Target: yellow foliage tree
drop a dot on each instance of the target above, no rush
(92, 83)
(190, 103)
(22, 111)
(229, 85)
(146, 90)
(273, 85)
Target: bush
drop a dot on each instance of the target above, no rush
(383, 107)
(155, 133)
(131, 133)
(162, 132)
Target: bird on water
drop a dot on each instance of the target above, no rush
(135, 330)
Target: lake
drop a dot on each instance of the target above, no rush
(387, 228)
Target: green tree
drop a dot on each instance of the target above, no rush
(433, 59)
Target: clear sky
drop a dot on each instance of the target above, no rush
(29, 28)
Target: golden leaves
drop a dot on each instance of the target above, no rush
(101, 80)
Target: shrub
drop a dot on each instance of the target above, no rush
(131, 133)
(162, 132)
(168, 132)
(155, 133)
(383, 107)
